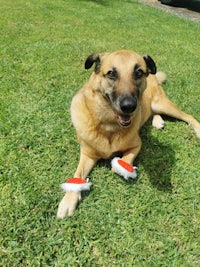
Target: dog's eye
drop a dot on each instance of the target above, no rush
(138, 73)
(112, 74)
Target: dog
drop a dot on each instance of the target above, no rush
(123, 91)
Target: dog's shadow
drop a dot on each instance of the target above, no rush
(157, 158)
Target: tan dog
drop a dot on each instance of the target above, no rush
(121, 94)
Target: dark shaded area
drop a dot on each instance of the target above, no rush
(193, 5)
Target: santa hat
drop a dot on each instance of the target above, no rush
(76, 185)
(123, 168)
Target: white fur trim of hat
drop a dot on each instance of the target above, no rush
(123, 168)
(76, 185)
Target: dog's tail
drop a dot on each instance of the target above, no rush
(161, 77)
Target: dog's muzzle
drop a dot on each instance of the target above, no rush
(127, 105)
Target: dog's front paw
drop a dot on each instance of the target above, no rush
(68, 204)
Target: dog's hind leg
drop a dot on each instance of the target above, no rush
(162, 105)
(69, 202)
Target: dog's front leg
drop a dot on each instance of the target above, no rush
(123, 166)
(69, 202)
(130, 155)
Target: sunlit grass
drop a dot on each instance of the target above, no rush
(153, 221)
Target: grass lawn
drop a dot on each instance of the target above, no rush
(153, 221)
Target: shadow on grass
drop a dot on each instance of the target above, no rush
(157, 159)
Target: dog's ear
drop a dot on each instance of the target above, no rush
(151, 65)
(93, 58)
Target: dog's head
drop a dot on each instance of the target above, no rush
(121, 78)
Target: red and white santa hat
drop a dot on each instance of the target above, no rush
(123, 168)
(76, 185)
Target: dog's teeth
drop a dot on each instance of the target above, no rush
(124, 120)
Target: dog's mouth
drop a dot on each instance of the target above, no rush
(123, 120)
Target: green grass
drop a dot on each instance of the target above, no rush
(153, 221)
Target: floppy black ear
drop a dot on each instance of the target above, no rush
(151, 65)
(93, 58)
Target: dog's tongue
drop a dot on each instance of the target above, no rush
(124, 120)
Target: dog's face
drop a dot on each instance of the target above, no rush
(121, 78)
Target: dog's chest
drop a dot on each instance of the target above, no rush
(109, 142)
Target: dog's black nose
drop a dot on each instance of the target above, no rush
(128, 104)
